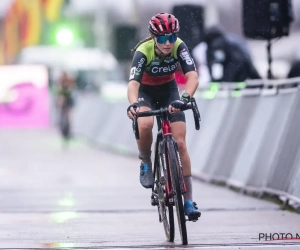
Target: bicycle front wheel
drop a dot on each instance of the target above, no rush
(166, 214)
(173, 161)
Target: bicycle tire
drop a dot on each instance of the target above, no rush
(165, 211)
(173, 161)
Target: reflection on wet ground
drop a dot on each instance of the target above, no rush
(84, 198)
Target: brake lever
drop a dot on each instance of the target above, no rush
(135, 127)
(196, 113)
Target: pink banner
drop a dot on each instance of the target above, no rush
(24, 97)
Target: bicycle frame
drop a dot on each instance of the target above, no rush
(169, 185)
(164, 134)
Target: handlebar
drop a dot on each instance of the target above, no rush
(163, 111)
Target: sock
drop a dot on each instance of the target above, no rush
(189, 188)
(145, 156)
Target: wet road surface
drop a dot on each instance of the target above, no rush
(85, 198)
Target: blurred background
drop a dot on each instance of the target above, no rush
(90, 41)
(64, 68)
(102, 33)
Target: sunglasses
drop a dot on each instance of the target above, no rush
(163, 39)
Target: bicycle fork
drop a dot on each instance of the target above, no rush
(167, 175)
(164, 180)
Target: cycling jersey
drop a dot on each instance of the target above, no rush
(147, 68)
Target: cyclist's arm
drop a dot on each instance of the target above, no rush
(192, 82)
(132, 91)
(136, 73)
(188, 68)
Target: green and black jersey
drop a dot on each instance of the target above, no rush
(147, 68)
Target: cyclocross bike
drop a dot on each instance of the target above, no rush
(169, 183)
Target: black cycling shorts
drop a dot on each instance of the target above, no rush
(160, 96)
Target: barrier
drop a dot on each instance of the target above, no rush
(258, 126)
(212, 115)
(280, 110)
(88, 116)
(230, 137)
(294, 189)
(191, 136)
(116, 125)
(284, 164)
(248, 139)
(213, 162)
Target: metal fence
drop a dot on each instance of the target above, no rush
(249, 136)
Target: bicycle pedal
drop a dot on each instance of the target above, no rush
(154, 202)
(193, 218)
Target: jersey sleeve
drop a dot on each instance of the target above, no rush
(185, 58)
(138, 66)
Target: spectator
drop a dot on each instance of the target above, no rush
(199, 55)
(65, 102)
(227, 57)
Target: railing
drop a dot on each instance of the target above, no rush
(249, 136)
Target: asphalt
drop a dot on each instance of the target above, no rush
(80, 197)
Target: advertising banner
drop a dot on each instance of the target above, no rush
(24, 97)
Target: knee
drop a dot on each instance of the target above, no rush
(145, 126)
(181, 145)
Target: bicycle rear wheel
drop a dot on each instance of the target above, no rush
(173, 161)
(166, 214)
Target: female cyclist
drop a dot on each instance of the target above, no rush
(152, 85)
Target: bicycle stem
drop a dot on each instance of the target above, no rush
(166, 128)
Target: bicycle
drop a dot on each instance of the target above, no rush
(169, 183)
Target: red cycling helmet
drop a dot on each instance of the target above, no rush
(163, 24)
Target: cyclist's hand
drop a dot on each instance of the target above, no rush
(177, 105)
(132, 110)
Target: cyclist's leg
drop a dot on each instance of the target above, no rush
(70, 105)
(144, 146)
(144, 143)
(60, 105)
(150, 97)
(179, 134)
(178, 126)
